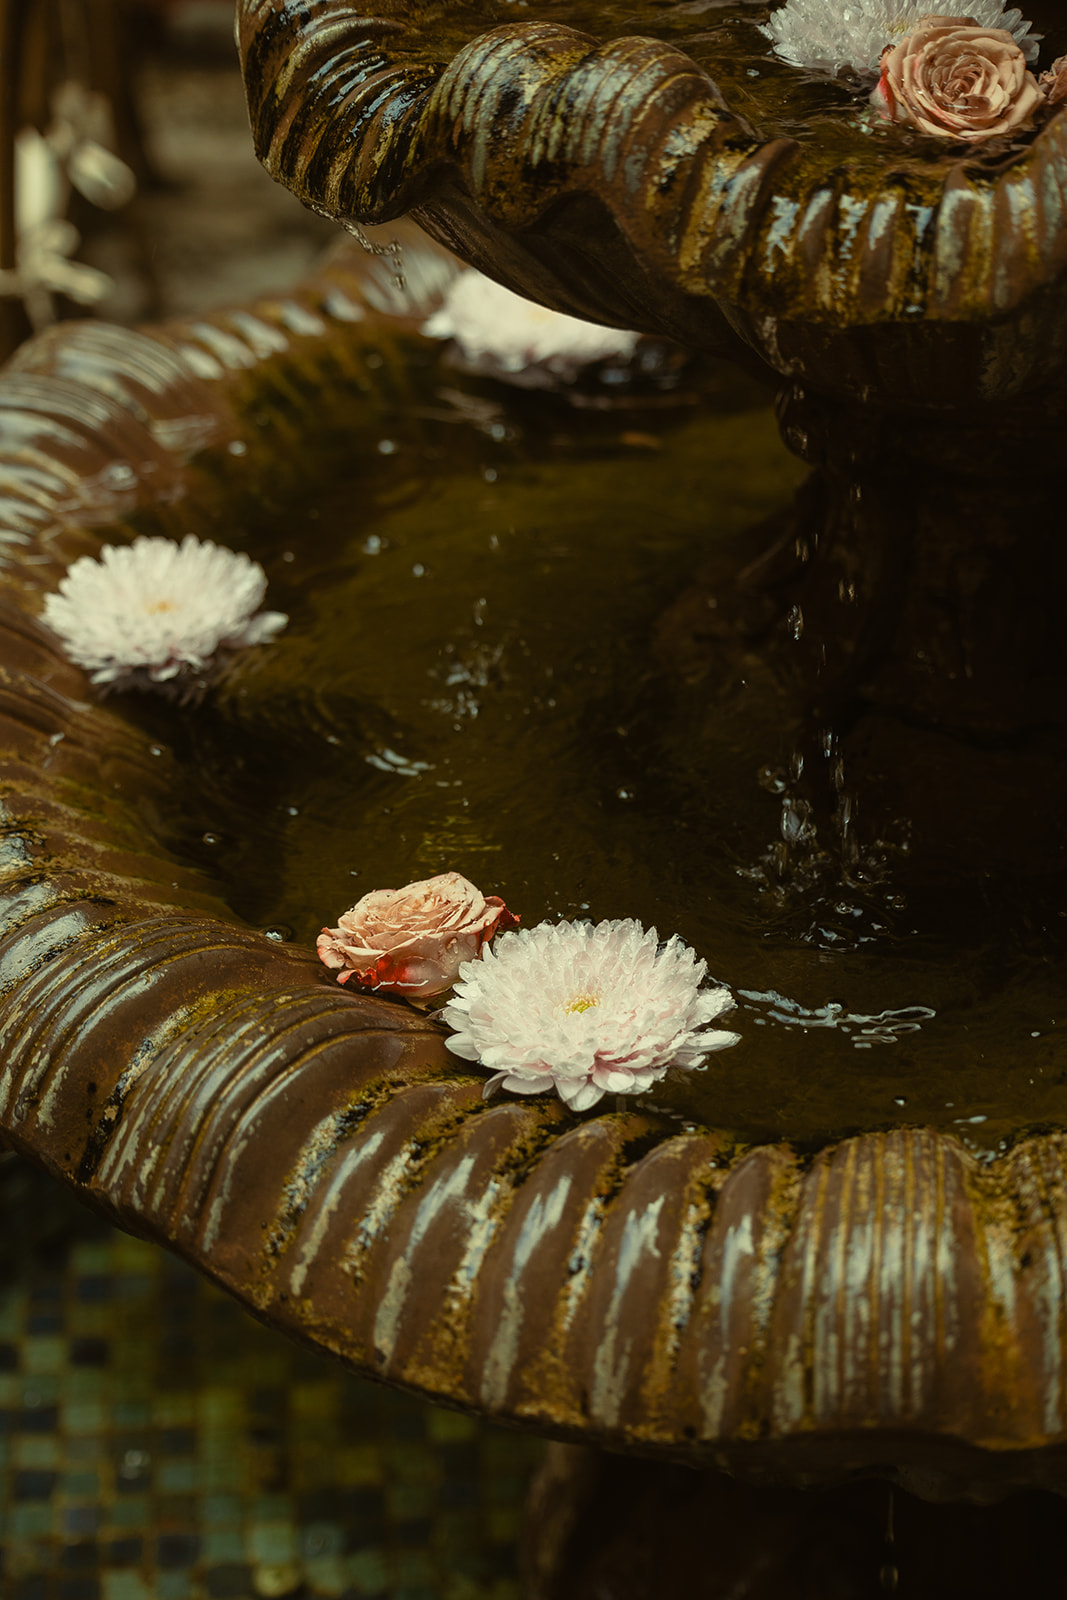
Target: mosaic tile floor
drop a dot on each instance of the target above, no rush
(158, 1444)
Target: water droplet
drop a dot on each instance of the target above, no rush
(372, 545)
(211, 838)
(237, 447)
(795, 622)
(624, 794)
(418, 570)
(279, 934)
(900, 1100)
(796, 823)
(387, 447)
(489, 474)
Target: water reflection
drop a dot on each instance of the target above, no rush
(883, 1027)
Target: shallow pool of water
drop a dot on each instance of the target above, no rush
(482, 673)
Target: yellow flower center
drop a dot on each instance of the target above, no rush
(581, 1002)
(156, 608)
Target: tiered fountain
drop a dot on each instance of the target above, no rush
(800, 1267)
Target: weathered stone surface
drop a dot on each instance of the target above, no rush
(611, 178)
(889, 1305)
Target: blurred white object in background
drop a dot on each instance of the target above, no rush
(499, 332)
(47, 167)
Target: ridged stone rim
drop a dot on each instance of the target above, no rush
(533, 137)
(890, 1305)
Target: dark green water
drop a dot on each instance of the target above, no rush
(478, 675)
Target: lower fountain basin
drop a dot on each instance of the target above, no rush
(666, 1276)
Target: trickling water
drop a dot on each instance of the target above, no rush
(392, 251)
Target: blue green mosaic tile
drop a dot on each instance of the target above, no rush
(156, 1443)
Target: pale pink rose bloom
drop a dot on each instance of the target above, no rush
(1054, 81)
(955, 79)
(413, 941)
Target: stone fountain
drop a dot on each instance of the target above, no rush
(889, 1302)
(910, 297)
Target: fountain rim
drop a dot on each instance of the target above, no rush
(342, 115)
(530, 1270)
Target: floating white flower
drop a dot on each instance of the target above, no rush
(828, 34)
(501, 331)
(585, 1010)
(154, 610)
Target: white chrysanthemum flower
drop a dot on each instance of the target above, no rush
(496, 328)
(585, 1010)
(154, 610)
(828, 34)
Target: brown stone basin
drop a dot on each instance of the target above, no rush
(889, 1303)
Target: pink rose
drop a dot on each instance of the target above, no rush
(412, 941)
(953, 78)
(1054, 81)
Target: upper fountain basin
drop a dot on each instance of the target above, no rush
(690, 184)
